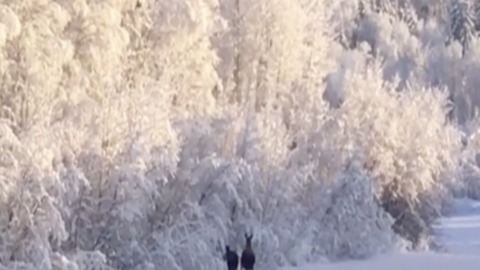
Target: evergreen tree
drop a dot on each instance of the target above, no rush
(462, 22)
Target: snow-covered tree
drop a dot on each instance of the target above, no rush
(462, 22)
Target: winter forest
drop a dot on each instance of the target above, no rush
(149, 134)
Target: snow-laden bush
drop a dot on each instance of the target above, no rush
(411, 151)
(468, 171)
(360, 225)
(33, 212)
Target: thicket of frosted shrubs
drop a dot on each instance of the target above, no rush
(148, 134)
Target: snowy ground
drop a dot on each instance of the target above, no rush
(460, 235)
